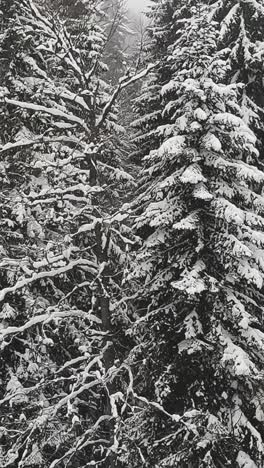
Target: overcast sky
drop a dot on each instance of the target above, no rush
(137, 5)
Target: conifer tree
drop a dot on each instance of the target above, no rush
(58, 405)
(241, 34)
(164, 25)
(195, 372)
(117, 31)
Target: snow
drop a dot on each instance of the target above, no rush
(232, 214)
(202, 193)
(155, 239)
(239, 422)
(182, 123)
(59, 191)
(193, 326)
(47, 110)
(87, 227)
(46, 318)
(192, 175)
(34, 229)
(250, 274)
(14, 387)
(235, 355)
(231, 17)
(38, 139)
(168, 87)
(158, 213)
(117, 173)
(68, 95)
(192, 282)
(167, 182)
(244, 461)
(200, 114)
(32, 63)
(173, 146)
(235, 123)
(7, 312)
(49, 274)
(243, 170)
(188, 223)
(239, 249)
(154, 275)
(212, 143)
(257, 6)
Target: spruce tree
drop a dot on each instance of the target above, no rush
(241, 35)
(195, 371)
(164, 25)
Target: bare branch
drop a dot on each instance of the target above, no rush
(123, 83)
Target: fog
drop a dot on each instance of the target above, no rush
(137, 5)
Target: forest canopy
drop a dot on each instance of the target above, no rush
(131, 234)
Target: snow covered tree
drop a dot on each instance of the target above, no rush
(164, 26)
(82, 22)
(147, 107)
(152, 358)
(241, 34)
(58, 405)
(195, 373)
(242, 30)
(116, 26)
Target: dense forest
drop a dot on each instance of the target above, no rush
(131, 234)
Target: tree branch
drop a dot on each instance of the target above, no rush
(123, 83)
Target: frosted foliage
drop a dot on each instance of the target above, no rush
(170, 86)
(14, 387)
(212, 143)
(252, 275)
(173, 146)
(192, 175)
(230, 18)
(200, 114)
(199, 217)
(244, 460)
(131, 334)
(192, 281)
(188, 223)
(60, 151)
(202, 193)
(239, 358)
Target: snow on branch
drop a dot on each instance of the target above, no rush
(174, 417)
(91, 267)
(83, 441)
(62, 38)
(47, 110)
(41, 139)
(45, 318)
(123, 83)
(72, 97)
(83, 188)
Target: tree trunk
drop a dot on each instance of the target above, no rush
(109, 355)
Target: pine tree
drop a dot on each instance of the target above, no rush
(195, 371)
